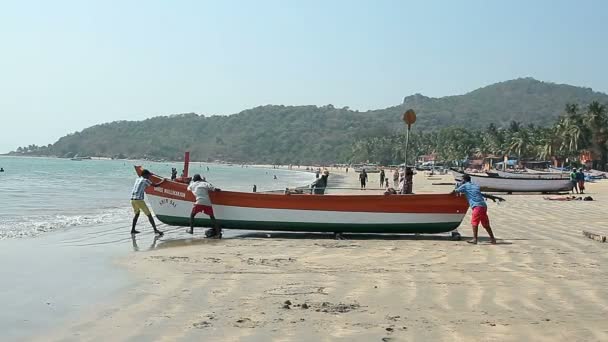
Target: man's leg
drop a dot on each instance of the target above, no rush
(133, 231)
(156, 231)
(489, 230)
(475, 232)
(192, 214)
(216, 227)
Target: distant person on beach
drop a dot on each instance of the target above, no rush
(183, 174)
(317, 173)
(207, 168)
(580, 180)
(409, 180)
(363, 179)
(401, 187)
(173, 173)
(381, 177)
(319, 185)
(574, 181)
(275, 177)
(478, 206)
(255, 188)
(395, 178)
(138, 203)
(346, 170)
(1, 169)
(386, 180)
(200, 188)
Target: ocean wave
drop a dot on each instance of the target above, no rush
(22, 227)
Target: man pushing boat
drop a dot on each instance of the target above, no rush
(200, 188)
(138, 203)
(478, 206)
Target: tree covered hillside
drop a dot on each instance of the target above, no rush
(311, 134)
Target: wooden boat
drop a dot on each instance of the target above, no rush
(425, 214)
(516, 184)
(536, 175)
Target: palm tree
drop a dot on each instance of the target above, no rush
(597, 121)
(520, 142)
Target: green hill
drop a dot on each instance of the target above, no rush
(311, 134)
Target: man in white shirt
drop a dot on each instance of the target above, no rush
(200, 188)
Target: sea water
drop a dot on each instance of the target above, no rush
(38, 195)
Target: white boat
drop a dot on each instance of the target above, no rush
(516, 184)
(596, 174)
(535, 175)
(421, 213)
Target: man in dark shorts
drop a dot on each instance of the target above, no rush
(363, 179)
(478, 206)
(200, 188)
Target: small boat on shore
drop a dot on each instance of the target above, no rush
(424, 213)
(516, 184)
(530, 175)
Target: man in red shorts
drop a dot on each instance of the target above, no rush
(478, 207)
(200, 188)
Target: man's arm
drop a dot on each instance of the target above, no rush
(157, 184)
(493, 198)
(459, 189)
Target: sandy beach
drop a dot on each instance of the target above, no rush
(544, 281)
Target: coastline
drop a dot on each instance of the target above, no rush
(543, 281)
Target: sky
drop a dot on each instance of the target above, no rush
(68, 65)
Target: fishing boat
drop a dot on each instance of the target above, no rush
(516, 184)
(531, 175)
(422, 213)
(596, 174)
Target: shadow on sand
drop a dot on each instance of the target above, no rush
(164, 242)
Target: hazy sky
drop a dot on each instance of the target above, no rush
(67, 65)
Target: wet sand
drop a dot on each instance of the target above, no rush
(544, 281)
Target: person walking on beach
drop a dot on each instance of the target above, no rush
(138, 203)
(580, 180)
(381, 177)
(173, 173)
(478, 206)
(409, 181)
(395, 178)
(574, 181)
(200, 188)
(386, 180)
(363, 179)
(319, 185)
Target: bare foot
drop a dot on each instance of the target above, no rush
(133, 232)
(473, 242)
